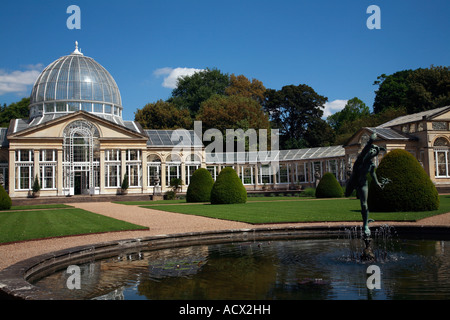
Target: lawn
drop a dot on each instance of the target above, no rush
(46, 223)
(301, 210)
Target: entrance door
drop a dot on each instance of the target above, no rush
(81, 182)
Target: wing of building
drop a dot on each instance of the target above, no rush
(76, 142)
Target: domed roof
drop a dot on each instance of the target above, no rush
(75, 82)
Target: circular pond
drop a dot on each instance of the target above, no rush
(321, 268)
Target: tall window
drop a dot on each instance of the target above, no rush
(265, 175)
(112, 168)
(24, 169)
(153, 170)
(47, 168)
(173, 168)
(193, 162)
(283, 173)
(247, 175)
(134, 167)
(441, 157)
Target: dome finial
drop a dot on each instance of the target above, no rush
(76, 49)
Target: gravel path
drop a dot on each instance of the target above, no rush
(159, 223)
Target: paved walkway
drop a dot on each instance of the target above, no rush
(159, 223)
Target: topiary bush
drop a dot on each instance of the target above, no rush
(199, 189)
(5, 200)
(410, 189)
(228, 188)
(329, 187)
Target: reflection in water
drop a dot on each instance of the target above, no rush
(291, 269)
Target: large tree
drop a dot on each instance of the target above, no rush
(163, 115)
(242, 86)
(232, 112)
(192, 90)
(16, 110)
(354, 109)
(291, 109)
(415, 90)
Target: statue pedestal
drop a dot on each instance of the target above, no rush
(367, 254)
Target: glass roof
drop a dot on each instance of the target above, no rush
(75, 82)
(281, 155)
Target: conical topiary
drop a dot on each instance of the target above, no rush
(228, 188)
(329, 187)
(199, 189)
(409, 187)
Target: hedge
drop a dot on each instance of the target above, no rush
(5, 200)
(410, 188)
(228, 188)
(329, 187)
(199, 189)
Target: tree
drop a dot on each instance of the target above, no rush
(232, 112)
(16, 110)
(354, 109)
(415, 90)
(291, 109)
(163, 115)
(319, 134)
(241, 86)
(392, 90)
(192, 90)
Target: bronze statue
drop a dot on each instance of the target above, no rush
(358, 179)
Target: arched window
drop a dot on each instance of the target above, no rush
(173, 168)
(441, 157)
(81, 158)
(153, 170)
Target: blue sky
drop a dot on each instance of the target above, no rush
(324, 44)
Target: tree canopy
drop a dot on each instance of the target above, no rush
(163, 115)
(16, 110)
(291, 110)
(192, 90)
(414, 90)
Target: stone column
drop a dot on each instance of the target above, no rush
(144, 171)
(12, 172)
(60, 172)
(102, 171)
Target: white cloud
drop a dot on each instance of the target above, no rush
(171, 75)
(333, 107)
(18, 81)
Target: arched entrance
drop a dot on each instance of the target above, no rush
(81, 165)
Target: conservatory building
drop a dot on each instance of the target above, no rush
(75, 142)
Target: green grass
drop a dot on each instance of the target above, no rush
(48, 223)
(41, 206)
(255, 212)
(183, 201)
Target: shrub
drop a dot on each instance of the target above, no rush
(170, 195)
(5, 200)
(228, 188)
(308, 192)
(329, 187)
(199, 189)
(410, 188)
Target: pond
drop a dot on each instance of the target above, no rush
(319, 269)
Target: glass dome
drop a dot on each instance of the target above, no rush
(75, 82)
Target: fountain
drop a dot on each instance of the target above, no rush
(358, 180)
